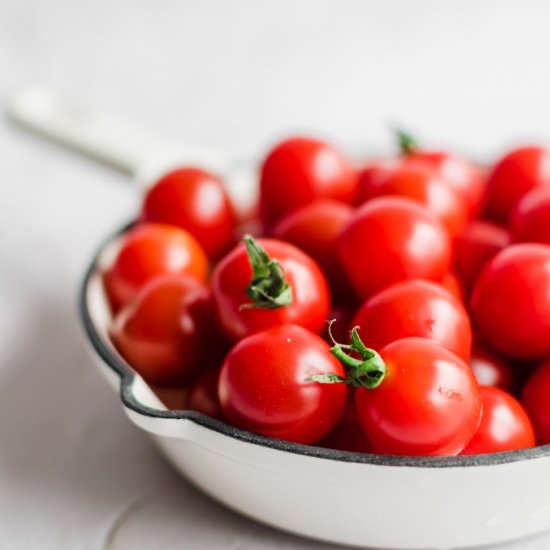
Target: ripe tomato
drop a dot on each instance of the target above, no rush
(491, 369)
(459, 174)
(474, 247)
(370, 177)
(418, 182)
(389, 239)
(427, 403)
(512, 177)
(414, 308)
(300, 170)
(149, 250)
(530, 219)
(505, 425)
(452, 284)
(511, 301)
(167, 332)
(268, 282)
(196, 201)
(263, 385)
(534, 397)
(314, 229)
(203, 394)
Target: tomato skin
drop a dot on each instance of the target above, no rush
(529, 221)
(167, 332)
(414, 307)
(474, 247)
(149, 250)
(505, 425)
(389, 239)
(510, 301)
(314, 229)
(429, 402)
(417, 182)
(263, 387)
(203, 394)
(491, 369)
(534, 398)
(512, 177)
(460, 175)
(311, 298)
(299, 170)
(194, 200)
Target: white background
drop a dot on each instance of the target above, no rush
(234, 76)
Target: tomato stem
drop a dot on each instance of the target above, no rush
(268, 288)
(407, 143)
(366, 372)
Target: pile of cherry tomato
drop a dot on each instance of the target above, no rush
(399, 307)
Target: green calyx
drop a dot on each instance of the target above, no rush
(407, 143)
(366, 372)
(268, 288)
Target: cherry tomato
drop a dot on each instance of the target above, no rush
(348, 435)
(314, 229)
(428, 402)
(267, 283)
(505, 425)
(530, 219)
(511, 301)
(149, 250)
(371, 176)
(462, 176)
(474, 247)
(300, 170)
(389, 239)
(196, 201)
(167, 332)
(264, 385)
(491, 369)
(414, 308)
(452, 284)
(534, 397)
(203, 394)
(512, 177)
(418, 182)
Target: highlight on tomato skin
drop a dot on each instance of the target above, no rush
(530, 219)
(505, 424)
(264, 387)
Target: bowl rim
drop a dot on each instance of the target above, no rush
(129, 400)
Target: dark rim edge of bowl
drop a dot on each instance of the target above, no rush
(131, 402)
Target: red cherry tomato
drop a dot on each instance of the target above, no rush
(428, 403)
(511, 301)
(300, 170)
(371, 176)
(505, 425)
(149, 250)
(263, 385)
(167, 332)
(307, 298)
(491, 369)
(196, 201)
(460, 175)
(530, 219)
(314, 229)
(418, 182)
(474, 247)
(389, 239)
(452, 284)
(512, 177)
(203, 394)
(534, 398)
(415, 308)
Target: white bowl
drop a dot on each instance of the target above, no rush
(346, 498)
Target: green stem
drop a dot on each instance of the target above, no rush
(407, 143)
(268, 287)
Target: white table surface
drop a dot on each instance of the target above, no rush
(74, 473)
